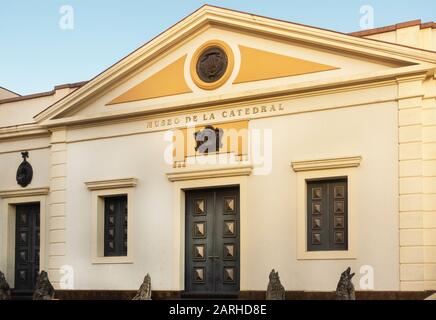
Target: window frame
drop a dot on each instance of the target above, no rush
(99, 191)
(327, 174)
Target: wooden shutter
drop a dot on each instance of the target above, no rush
(327, 215)
(115, 228)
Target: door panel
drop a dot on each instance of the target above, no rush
(27, 242)
(227, 240)
(212, 241)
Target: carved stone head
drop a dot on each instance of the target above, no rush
(274, 276)
(346, 276)
(147, 279)
(42, 279)
(2, 277)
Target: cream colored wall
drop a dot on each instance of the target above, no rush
(23, 111)
(270, 229)
(417, 139)
(366, 131)
(139, 156)
(410, 36)
(5, 94)
(306, 132)
(10, 159)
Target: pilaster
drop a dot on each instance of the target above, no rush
(417, 182)
(58, 199)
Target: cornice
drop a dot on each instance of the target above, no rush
(15, 193)
(112, 184)
(23, 131)
(327, 163)
(183, 174)
(304, 89)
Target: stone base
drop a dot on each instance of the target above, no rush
(243, 295)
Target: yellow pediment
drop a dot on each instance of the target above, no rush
(263, 65)
(167, 82)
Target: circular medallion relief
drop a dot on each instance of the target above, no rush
(212, 65)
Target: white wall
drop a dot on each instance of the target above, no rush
(369, 131)
(22, 111)
(139, 156)
(9, 162)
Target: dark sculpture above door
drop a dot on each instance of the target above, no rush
(25, 171)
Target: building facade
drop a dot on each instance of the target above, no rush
(229, 145)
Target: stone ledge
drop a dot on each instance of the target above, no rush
(243, 295)
(209, 172)
(112, 184)
(12, 193)
(326, 163)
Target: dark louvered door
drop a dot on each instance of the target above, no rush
(212, 241)
(26, 246)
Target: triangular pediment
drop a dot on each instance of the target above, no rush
(255, 65)
(218, 55)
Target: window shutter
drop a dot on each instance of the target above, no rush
(327, 215)
(115, 229)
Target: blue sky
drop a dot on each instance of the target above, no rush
(36, 54)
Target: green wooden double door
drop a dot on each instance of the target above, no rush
(212, 244)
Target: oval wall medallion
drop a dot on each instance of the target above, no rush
(212, 65)
(25, 171)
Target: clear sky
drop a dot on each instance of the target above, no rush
(36, 53)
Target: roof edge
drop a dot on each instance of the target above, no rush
(394, 27)
(43, 94)
(8, 90)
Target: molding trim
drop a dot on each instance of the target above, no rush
(327, 163)
(22, 131)
(307, 88)
(31, 192)
(215, 172)
(112, 184)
